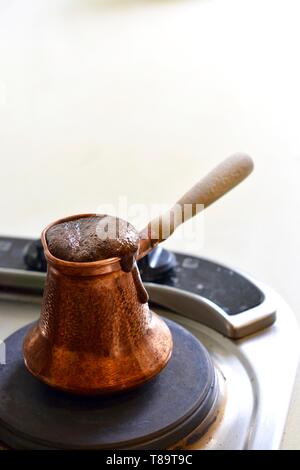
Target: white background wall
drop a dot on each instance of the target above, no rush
(101, 98)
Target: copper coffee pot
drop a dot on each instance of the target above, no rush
(96, 334)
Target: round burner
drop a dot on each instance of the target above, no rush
(155, 416)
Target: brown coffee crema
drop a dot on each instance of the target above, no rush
(98, 238)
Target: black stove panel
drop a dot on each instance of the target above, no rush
(12, 252)
(223, 286)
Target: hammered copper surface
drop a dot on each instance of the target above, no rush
(94, 335)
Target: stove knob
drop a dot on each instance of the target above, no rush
(34, 257)
(157, 265)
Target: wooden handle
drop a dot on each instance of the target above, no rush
(228, 174)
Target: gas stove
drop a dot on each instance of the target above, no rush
(249, 332)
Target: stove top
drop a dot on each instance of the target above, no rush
(249, 331)
(35, 416)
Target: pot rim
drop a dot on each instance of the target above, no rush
(102, 266)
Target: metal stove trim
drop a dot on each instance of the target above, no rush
(264, 357)
(208, 313)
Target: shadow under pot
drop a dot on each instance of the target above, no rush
(96, 333)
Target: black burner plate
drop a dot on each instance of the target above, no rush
(155, 416)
